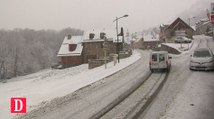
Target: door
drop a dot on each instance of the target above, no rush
(162, 59)
(154, 62)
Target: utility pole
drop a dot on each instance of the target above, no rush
(105, 47)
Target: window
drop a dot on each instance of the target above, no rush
(154, 57)
(161, 57)
(72, 47)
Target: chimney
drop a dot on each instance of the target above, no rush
(91, 36)
(102, 35)
(69, 36)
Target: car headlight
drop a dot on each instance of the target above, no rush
(212, 60)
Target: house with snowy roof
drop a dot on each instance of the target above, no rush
(71, 50)
(93, 44)
(76, 50)
(150, 40)
(168, 32)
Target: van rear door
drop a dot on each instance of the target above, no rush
(162, 61)
(154, 62)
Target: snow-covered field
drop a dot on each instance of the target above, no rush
(51, 83)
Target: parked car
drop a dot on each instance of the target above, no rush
(187, 40)
(182, 39)
(202, 59)
(179, 39)
(160, 60)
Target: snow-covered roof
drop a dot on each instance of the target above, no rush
(120, 39)
(204, 20)
(194, 27)
(128, 39)
(72, 40)
(96, 40)
(64, 49)
(110, 34)
(207, 22)
(151, 37)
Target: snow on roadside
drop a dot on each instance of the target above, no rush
(180, 47)
(195, 99)
(52, 73)
(47, 85)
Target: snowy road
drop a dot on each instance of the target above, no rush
(42, 87)
(186, 94)
(135, 103)
(88, 101)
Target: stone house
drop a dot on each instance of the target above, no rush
(94, 48)
(76, 50)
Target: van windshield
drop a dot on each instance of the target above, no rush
(154, 57)
(202, 53)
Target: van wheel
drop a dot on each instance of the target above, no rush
(167, 69)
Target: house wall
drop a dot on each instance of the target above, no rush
(189, 33)
(170, 34)
(95, 50)
(71, 60)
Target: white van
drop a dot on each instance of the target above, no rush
(159, 60)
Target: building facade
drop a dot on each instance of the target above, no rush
(76, 50)
(94, 49)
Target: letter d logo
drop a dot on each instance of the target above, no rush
(18, 105)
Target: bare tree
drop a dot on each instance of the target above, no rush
(25, 51)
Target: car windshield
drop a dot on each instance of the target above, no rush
(202, 53)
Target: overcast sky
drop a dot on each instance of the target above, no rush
(89, 14)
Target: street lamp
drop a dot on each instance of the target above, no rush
(116, 20)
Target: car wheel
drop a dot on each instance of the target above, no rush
(167, 69)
